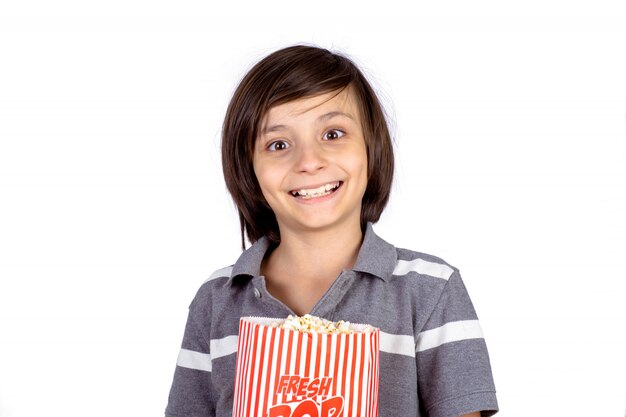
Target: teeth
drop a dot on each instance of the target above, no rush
(316, 192)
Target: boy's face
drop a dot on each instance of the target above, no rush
(310, 160)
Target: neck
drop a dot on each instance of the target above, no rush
(320, 253)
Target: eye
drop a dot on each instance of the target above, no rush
(333, 134)
(277, 145)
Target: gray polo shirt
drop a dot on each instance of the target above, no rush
(433, 358)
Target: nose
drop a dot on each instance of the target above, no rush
(310, 158)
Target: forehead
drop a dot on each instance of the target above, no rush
(341, 101)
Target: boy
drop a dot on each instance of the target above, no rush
(308, 160)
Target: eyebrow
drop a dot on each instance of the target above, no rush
(322, 118)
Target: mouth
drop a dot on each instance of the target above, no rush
(321, 191)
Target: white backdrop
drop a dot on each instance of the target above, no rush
(511, 146)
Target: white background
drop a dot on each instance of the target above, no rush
(509, 120)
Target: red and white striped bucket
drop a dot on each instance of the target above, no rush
(286, 373)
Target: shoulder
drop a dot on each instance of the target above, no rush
(424, 278)
(383, 259)
(211, 286)
(411, 263)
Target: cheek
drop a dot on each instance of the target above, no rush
(268, 178)
(359, 164)
(260, 179)
(260, 171)
(363, 172)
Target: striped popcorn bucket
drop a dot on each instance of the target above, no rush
(286, 373)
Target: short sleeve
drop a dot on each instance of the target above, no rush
(190, 394)
(453, 368)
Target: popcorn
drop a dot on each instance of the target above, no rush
(306, 366)
(314, 324)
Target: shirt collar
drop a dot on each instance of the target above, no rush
(376, 257)
(249, 262)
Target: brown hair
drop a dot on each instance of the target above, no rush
(289, 74)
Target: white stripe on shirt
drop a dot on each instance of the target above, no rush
(202, 361)
(449, 332)
(423, 267)
(224, 272)
(389, 343)
(194, 360)
(397, 343)
(224, 346)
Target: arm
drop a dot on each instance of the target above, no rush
(191, 390)
(453, 369)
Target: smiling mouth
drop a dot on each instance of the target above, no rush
(321, 191)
